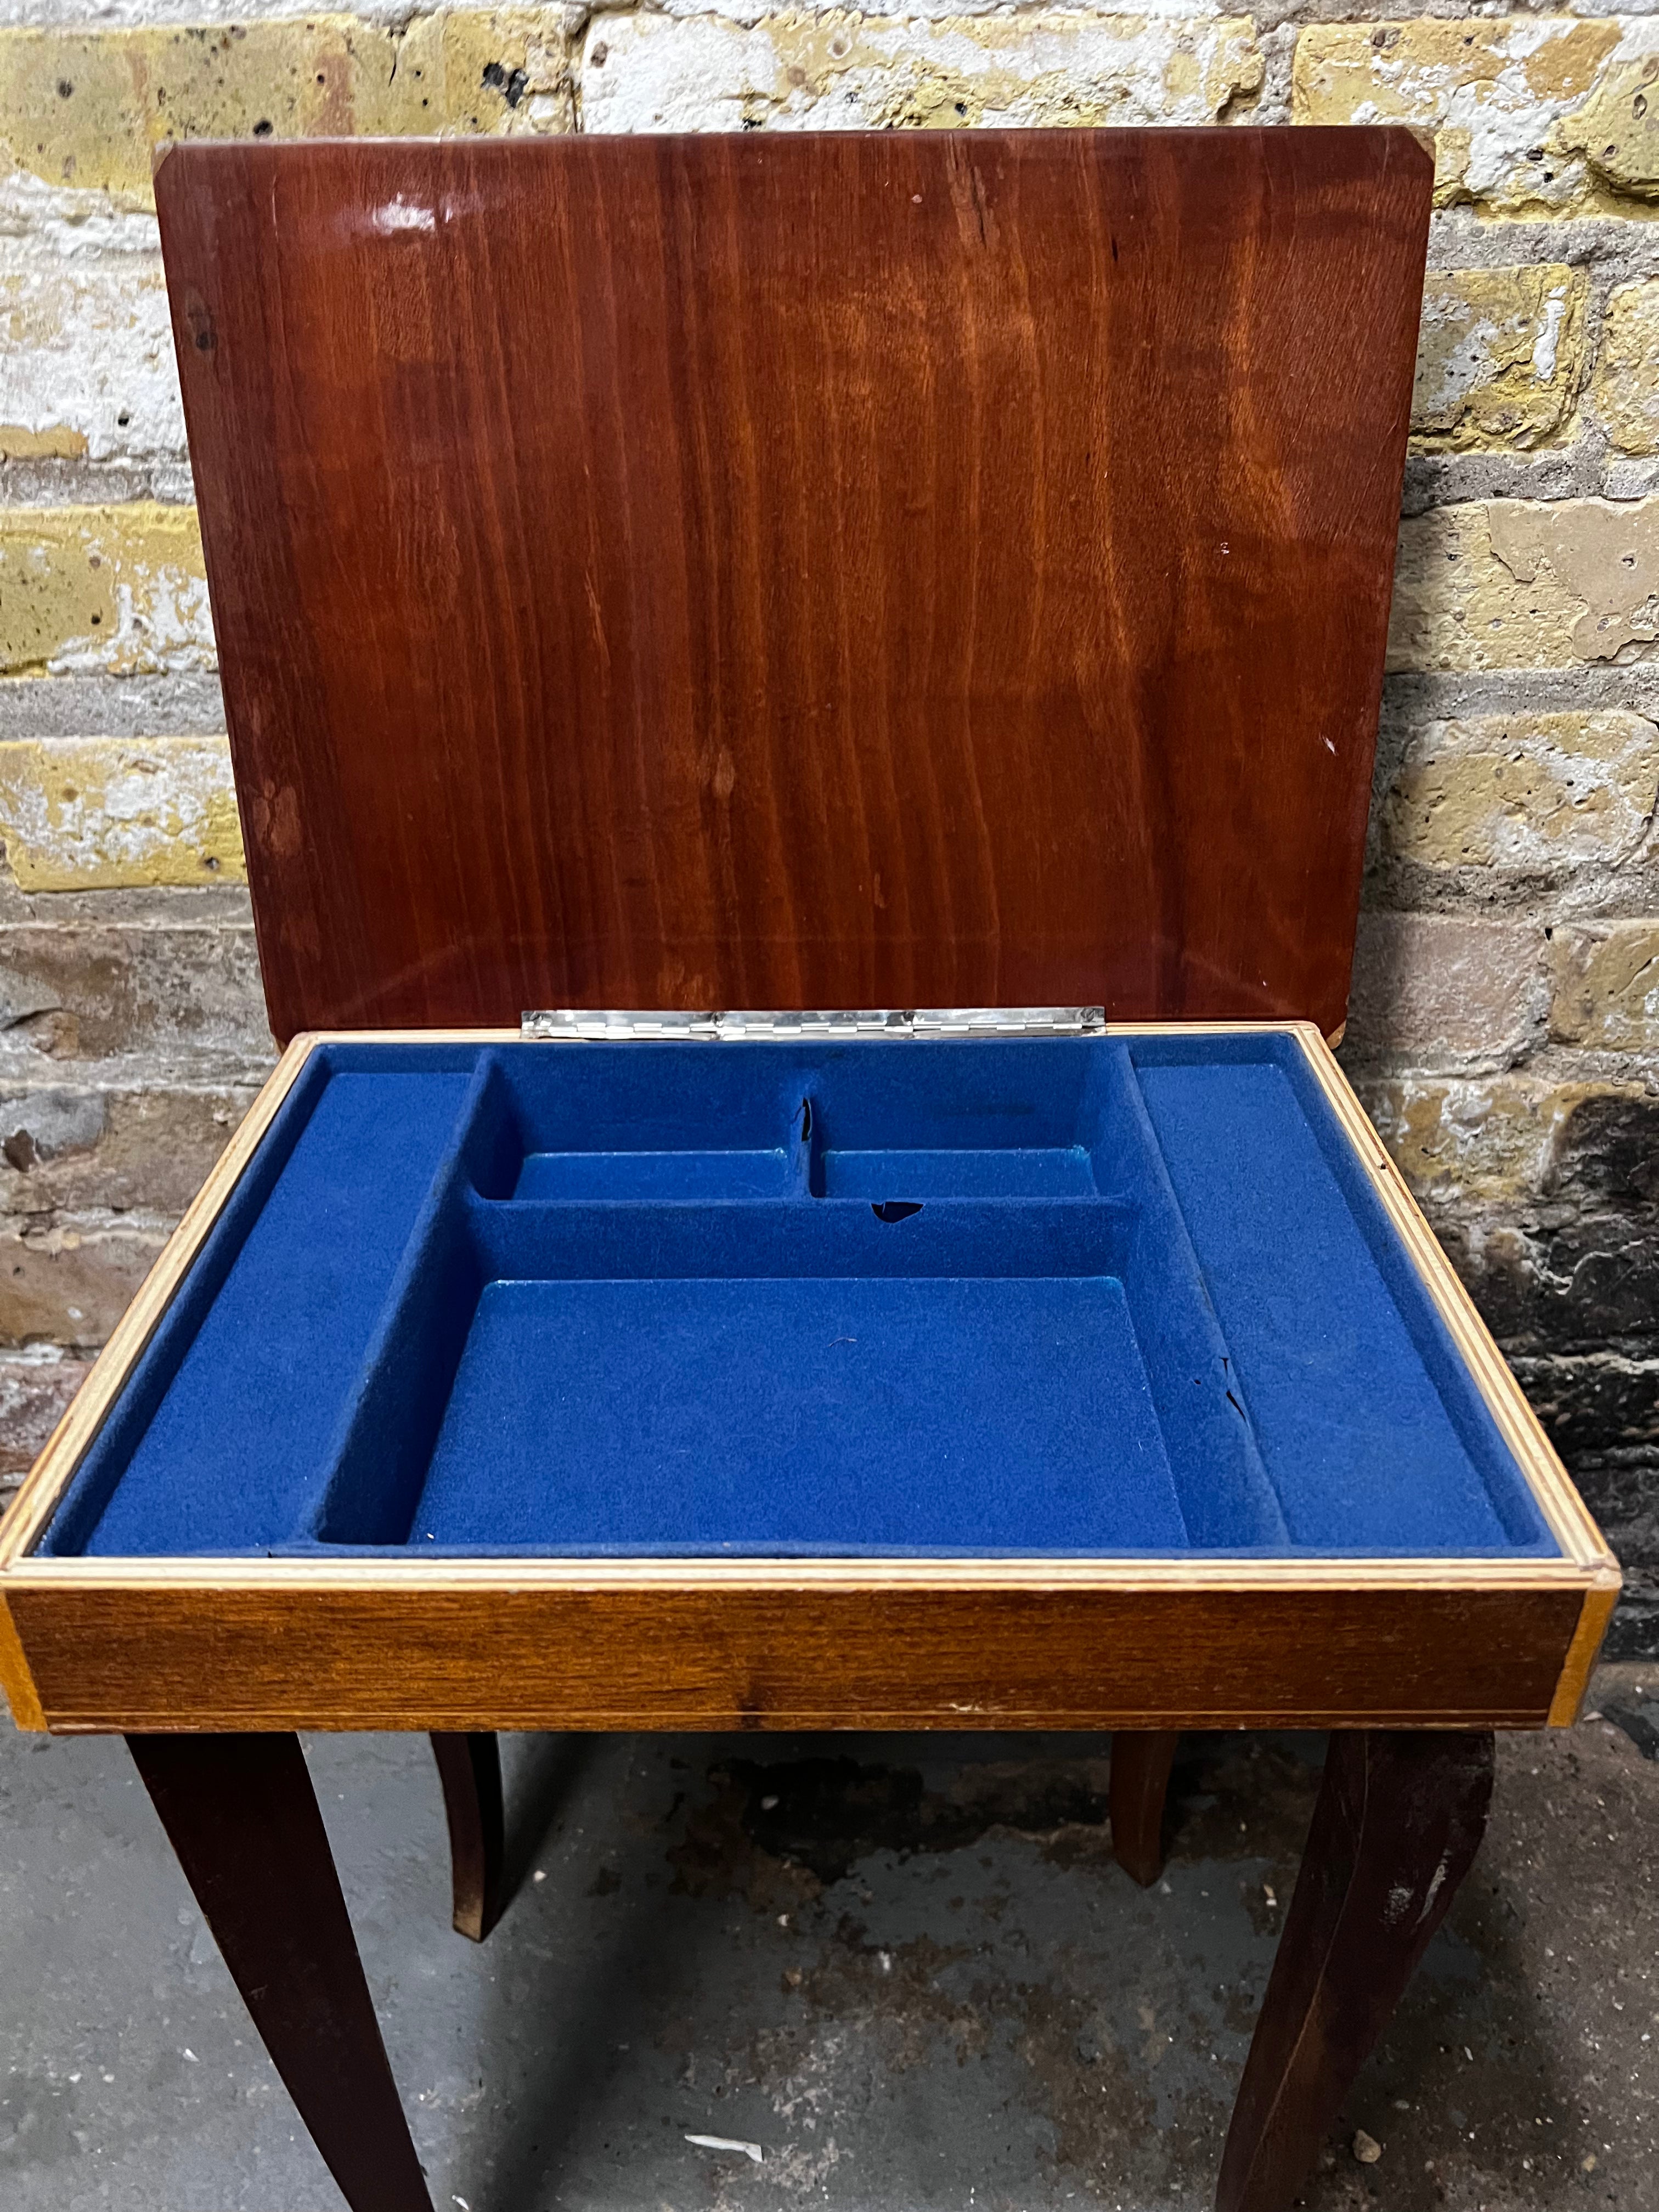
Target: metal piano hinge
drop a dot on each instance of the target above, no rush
(608, 1025)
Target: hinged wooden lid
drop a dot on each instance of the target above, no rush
(908, 570)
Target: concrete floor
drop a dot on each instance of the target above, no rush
(907, 1968)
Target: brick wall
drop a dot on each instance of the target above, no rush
(1505, 1022)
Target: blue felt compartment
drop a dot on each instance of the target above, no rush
(1362, 1406)
(783, 1414)
(225, 1436)
(1039, 1295)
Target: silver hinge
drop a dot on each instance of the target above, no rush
(569, 1023)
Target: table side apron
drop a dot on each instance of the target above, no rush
(494, 1656)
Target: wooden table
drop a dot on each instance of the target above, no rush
(816, 1376)
(895, 570)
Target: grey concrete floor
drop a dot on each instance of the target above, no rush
(906, 1968)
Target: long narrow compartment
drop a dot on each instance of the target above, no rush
(1057, 1296)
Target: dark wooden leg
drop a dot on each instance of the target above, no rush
(1141, 1759)
(242, 1816)
(470, 1768)
(1398, 1823)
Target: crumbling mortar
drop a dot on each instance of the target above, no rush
(46, 1231)
(1639, 1367)
(57, 483)
(1576, 469)
(145, 912)
(1551, 1059)
(1554, 1071)
(103, 1079)
(207, 1073)
(185, 705)
(1615, 250)
(1277, 42)
(212, 1066)
(1443, 694)
(215, 909)
(1582, 896)
(1538, 1372)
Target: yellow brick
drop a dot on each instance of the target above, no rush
(1445, 991)
(1605, 986)
(115, 814)
(1511, 584)
(1529, 793)
(1492, 1138)
(503, 72)
(86, 108)
(119, 590)
(20, 443)
(62, 1286)
(1625, 390)
(1487, 1138)
(1616, 130)
(1530, 117)
(1498, 356)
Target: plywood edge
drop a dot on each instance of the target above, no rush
(1584, 1650)
(50, 1475)
(423, 1578)
(16, 1679)
(1565, 1512)
(478, 1037)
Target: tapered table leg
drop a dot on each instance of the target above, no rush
(1141, 1759)
(1399, 1820)
(242, 1816)
(470, 1768)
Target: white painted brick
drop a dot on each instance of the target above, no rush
(70, 228)
(87, 363)
(749, 12)
(132, 15)
(109, 814)
(647, 72)
(1531, 114)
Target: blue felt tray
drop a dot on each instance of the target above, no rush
(1050, 1296)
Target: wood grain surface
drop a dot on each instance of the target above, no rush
(895, 569)
(1141, 1761)
(406, 1656)
(242, 1815)
(1399, 1820)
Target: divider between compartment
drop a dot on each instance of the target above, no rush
(1227, 1497)
(572, 1239)
(385, 1439)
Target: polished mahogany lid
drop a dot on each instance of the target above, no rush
(765, 570)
